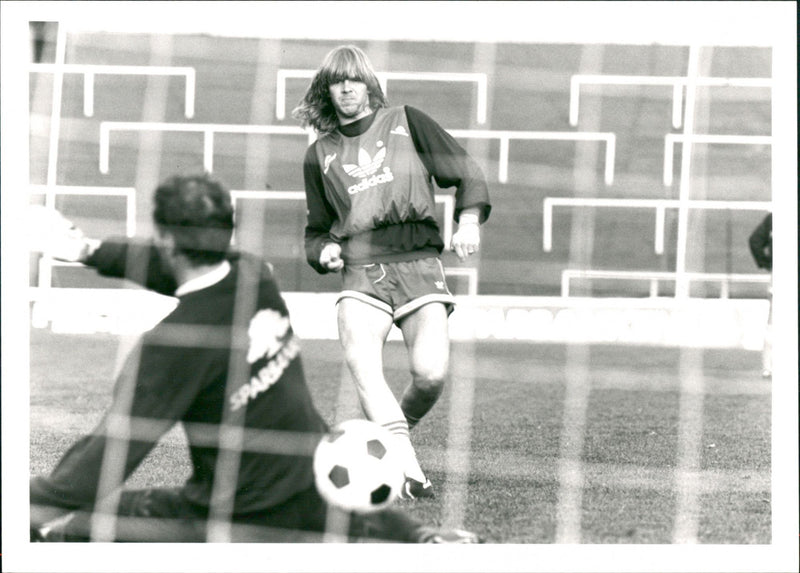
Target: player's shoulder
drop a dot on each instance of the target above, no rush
(323, 141)
(420, 122)
(311, 150)
(416, 115)
(256, 269)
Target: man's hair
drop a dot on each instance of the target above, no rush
(344, 62)
(197, 211)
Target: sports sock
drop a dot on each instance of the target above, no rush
(412, 468)
(415, 403)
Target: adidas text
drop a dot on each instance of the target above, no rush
(373, 181)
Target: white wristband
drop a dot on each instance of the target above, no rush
(468, 218)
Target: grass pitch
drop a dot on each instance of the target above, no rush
(530, 443)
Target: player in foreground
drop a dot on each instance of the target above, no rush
(226, 364)
(371, 215)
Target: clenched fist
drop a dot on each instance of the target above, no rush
(467, 240)
(331, 257)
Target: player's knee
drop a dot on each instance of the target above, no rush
(429, 382)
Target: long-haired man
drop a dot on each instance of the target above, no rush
(371, 216)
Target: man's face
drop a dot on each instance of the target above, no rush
(350, 99)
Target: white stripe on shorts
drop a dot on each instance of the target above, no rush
(370, 300)
(421, 301)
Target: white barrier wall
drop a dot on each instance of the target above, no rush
(651, 321)
(720, 323)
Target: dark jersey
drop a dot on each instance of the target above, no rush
(225, 359)
(338, 174)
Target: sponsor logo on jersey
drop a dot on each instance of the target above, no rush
(367, 170)
(328, 160)
(399, 130)
(266, 333)
(367, 165)
(271, 341)
(373, 181)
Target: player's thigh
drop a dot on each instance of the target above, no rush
(159, 515)
(427, 340)
(362, 326)
(154, 502)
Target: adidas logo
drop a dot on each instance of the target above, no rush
(366, 170)
(328, 160)
(366, 165)
(399, 130)
(439, 284)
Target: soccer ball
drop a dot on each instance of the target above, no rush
(358, 467)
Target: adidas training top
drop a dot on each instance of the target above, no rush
(369, 186)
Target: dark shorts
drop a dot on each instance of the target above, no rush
(399, 288)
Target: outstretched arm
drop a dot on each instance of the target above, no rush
(134, 259)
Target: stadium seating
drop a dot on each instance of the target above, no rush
(105, 128)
